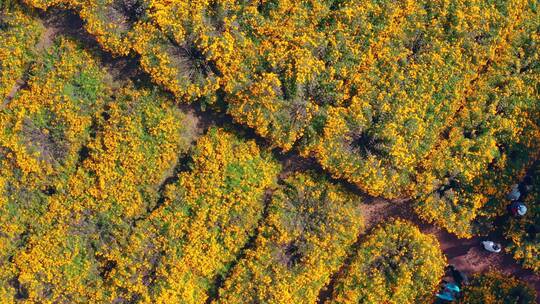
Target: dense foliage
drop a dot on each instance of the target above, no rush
(207, 216)
(80, 162)
(40, 140)
(494, 139)
(497, 288)
(431, 99)
(310, 226)
(19, 35)
(396, 263)
(109, 195)
(524, 233)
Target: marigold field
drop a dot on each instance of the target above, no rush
(270, 151)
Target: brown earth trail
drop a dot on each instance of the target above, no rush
(467, 255)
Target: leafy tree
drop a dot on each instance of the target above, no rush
(524, 233)
(492, 142)
(81, 164)
(497, 288)
(311, 225)
(19, 34)
(206, 218)
(43, 129)
(396, 263)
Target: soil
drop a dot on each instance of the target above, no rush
(467, 255)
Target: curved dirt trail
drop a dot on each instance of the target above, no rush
(467, 255)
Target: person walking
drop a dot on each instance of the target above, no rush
(459, 277)
(514, 193)
(450, 292)
(492, 246)
(517, 209)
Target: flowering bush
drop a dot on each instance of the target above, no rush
(204, 221)
(497, 288)
(79, 164)
(311, 225)
(19, 34)
(102, 199)
(524, 233)
(396, 263)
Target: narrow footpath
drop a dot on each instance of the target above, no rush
(467, 255)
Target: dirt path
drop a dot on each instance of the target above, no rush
(466, 254)
(16, 87)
